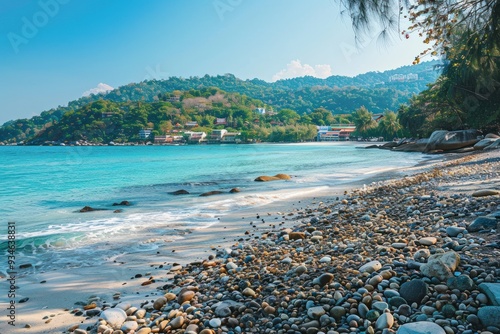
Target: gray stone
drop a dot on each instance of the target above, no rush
(462, 283)
(316, 312)
(492, 291)
(371, 267)
(223, 311)
(115, 317)
(421, 327)
(454, 231)
(215, 322)
(386, 320)
(482, 223)
(413, 291)
(441, 265)
(489, 316)
(323, 279)
(128, 326)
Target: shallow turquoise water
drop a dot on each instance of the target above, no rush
(42, 187)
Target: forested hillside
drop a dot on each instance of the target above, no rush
(339, 95)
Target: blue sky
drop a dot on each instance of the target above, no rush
(53, 51)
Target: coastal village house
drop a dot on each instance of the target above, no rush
(145, 133)
(195, 137)
(336, 132)
(219, 136)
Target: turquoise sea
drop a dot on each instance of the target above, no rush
(42, 188)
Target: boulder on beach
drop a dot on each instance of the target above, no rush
(483, 143)
(417, 146)
(441, 266)
(179, 192)
(493, 146)
(124, 203)
(265, 178)
(211, 193)
(234, 190)
(451, 140)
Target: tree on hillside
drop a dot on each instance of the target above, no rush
(363, 120)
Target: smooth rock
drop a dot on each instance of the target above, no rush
(323, 279)
(428, 241)
(315, 312)
(482, 223)
(462, 283)
(492, 291)
(413, 291)
(115, 317)
(192, 329)
(249, 292)
(185, 296)
(215, 322)
(421, 327)
(489, 316)
(485, 192)
(386, 320)
(454, 231)
(159, 302)
(371, 267)
(128, 326)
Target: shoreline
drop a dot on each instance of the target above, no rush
(65, 287)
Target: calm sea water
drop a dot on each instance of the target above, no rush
(43, 187)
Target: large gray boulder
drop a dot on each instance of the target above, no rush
(484, 143)
(443, 140)
(408, 146)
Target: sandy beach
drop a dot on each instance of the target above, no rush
(296, 265)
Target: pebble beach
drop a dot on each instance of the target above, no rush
(416, 254)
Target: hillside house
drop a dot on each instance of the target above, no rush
(145, 133)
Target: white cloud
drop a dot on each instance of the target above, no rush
(296, 69)
(101, 88)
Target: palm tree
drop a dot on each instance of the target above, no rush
(389, 125)
(363, 120)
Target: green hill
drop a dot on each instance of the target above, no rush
(339, 95)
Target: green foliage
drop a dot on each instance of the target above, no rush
(363, 120)
(389, 127)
